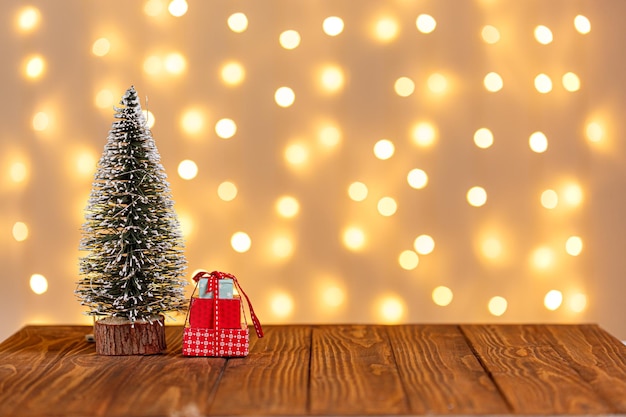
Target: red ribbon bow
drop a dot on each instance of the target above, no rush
(220, 275)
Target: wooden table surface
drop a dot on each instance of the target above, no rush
(325, 370)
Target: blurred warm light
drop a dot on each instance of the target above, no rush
(553, 300)
(493, 82)
(331, 78)
(386, 29)
(384, 149)
(192, 121)
(353, 238)
(549, 199)
(594, 132)
(35, 67)
(333, 25)
(424, 244)
(101, 47)
(281, 305)
(153, 65)
(357, 191)
(542, 258)
(153, 8)
(104, 99)
(238, 22)
(287, 206)
(225, 128)
(571, 82)
(577, 302)
(175, 63)
(282, 247)
(424, 134)
(574, 245)
(187, 224)
(572, 194)
(490, 34)
(177, 8)
(289, 39)
(391, 309)
(329, 136)
(491, 247)
(149, 117)
(538, 142)
(233, 73)
(476, 196)
(187, 169)
(20, 231)
(543, 83)
(240, 242)
(41, 121)
(18, 171)
(442, 296)
(425, 23)
(483, 138)
(437, 83)
(333, 296)
(38, 283)
(408, 260)
(227, 191)
(543, 34)
(404, 86)
(497, 306)
(296, 154)
(387, 206)
(28, 18)
(582, 24)
(85, 162)
(284, 96)
(417, 178)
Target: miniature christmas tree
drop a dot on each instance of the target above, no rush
(133, 271)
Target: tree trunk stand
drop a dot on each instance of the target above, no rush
(117, 336)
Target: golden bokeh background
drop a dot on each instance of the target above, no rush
(372, 161)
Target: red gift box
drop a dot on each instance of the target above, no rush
(229, 312)
(206, 330)
(214, 342)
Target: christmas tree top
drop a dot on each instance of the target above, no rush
(135, 263)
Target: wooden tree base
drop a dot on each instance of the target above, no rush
(116, 336)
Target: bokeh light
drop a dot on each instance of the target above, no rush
(238, 22)
(493, 82)
(41, 121)
(543, 35)
(178, 8)
(417, 178)
(582, 24)
(538, 142)
(577, 302)
(424, 244)
(353, 238)
(333, 25)
(490, 34)
(289, 39)
(425, 23)
(404, 86)
(20, 231)
(101, 47)
(287, 207)
(574, 245)
(38, 284)
(192, 121)
(281, 305)
(424, 134)
(553, 300)
(408, 260)
(28, 18)
(571, 82)
(497, 306)
(296, 154)
(437, 83)
(35, 67)
(386, 29)
(476, 196)
(391, 309)
(384, 149)
(331, 78)
(225, 128)
(549, 199)
(543, 258)
(284, 96)
(442, 296)
(483, 138)
(240, 242)
(227, 191)
(357, 191)
(543, 83)
(233, 73)
(594, 132)
(187, 169)
(387, 206)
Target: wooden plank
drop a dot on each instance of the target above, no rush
(353, 372)
(598, 357)
(27, 357)
(272, 380)
(165, 385)
(440, 373)
(530, 373)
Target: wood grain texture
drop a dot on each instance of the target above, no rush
(532, 376)
(324, 370)
(353, 371)
(440, 373)
(272, 380)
